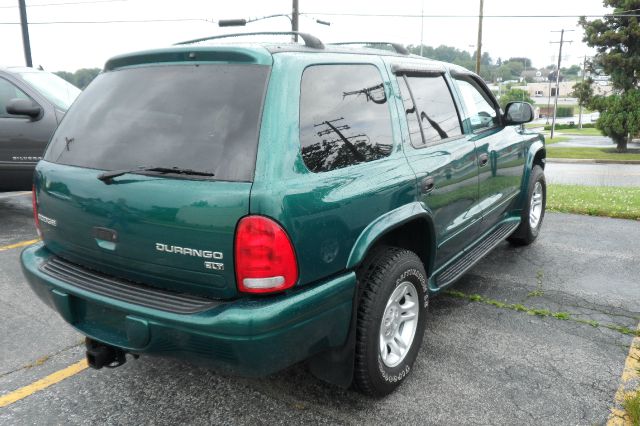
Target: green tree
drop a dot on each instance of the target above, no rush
(583, 91)
(619, 116)
(572, 72)
(526, 62)
(66, 76)
(84, 76)
(514, 95)
(617, 40)
(81, 78)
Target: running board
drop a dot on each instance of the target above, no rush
(473, 255)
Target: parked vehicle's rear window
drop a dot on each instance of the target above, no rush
(344, 116)
(199, 117)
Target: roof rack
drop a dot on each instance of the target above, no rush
(399, 48)
(309, 40)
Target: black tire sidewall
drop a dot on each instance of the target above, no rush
(525, 235)
(384, 379)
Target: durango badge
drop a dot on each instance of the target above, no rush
(186, 251)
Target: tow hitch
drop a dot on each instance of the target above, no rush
(100, 355)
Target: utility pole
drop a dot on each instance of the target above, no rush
(421, 27)
(584, 70)
(555, 105)
(479, 44)
(548, 101)
(295, 14)
(25, 33)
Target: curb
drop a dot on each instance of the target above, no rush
(590, 161)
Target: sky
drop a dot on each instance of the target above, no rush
(60, 45)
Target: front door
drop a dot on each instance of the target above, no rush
(443, 159)
(500, 150)
(22, 140)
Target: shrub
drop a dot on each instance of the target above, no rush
(564, 111)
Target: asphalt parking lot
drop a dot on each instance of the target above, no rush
(481, 363)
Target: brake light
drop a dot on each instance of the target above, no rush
(264, 256)
(34, 202)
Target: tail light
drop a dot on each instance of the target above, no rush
(264, 256)
(34, 201)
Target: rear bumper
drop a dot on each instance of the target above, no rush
(249, 337)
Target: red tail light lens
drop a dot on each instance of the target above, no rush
(34, 202)
(264, 256)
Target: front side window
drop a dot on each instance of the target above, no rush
(344, 116)
(434, 109)
(481, 112)
(8, 92)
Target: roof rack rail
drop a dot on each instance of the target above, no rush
(399, 48)
(309, 40)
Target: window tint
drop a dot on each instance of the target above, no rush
(344, 116)
(7, 92)
(199, 117)
(435, 109)
(481, 114)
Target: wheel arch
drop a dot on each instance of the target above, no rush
(410, 227)
(536, 155)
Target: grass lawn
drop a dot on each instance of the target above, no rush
(619, 202)
(592, 153)
(592, 131)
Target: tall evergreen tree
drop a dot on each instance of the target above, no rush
(617, 40)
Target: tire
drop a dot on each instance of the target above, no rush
(531, 218)
(391, 272)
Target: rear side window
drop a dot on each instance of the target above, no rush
(199, 117)
(434, 109)
(344, 116)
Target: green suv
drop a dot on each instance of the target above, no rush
(252, 206)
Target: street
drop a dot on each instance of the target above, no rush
(593, 174)
(480, 363)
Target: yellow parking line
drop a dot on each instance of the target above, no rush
(18, 245)
(41, 384)
(631, 371)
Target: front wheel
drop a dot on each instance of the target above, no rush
(533, 211)
(391, 320)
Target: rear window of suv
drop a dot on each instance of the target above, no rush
(199, 117)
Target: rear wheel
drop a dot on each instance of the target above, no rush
(533, 211)
(391, 320)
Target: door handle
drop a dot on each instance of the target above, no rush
(428, 184)
(483, 159)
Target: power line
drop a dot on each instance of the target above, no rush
(626, 13)
(64, 4)
(125, 21)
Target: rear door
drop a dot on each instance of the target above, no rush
(443, 159)
(171, 230)
(500, 149)
(22, 139)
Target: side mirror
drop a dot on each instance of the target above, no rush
(23, 107)
(518, 113)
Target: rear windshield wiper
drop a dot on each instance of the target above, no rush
(106, 177)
